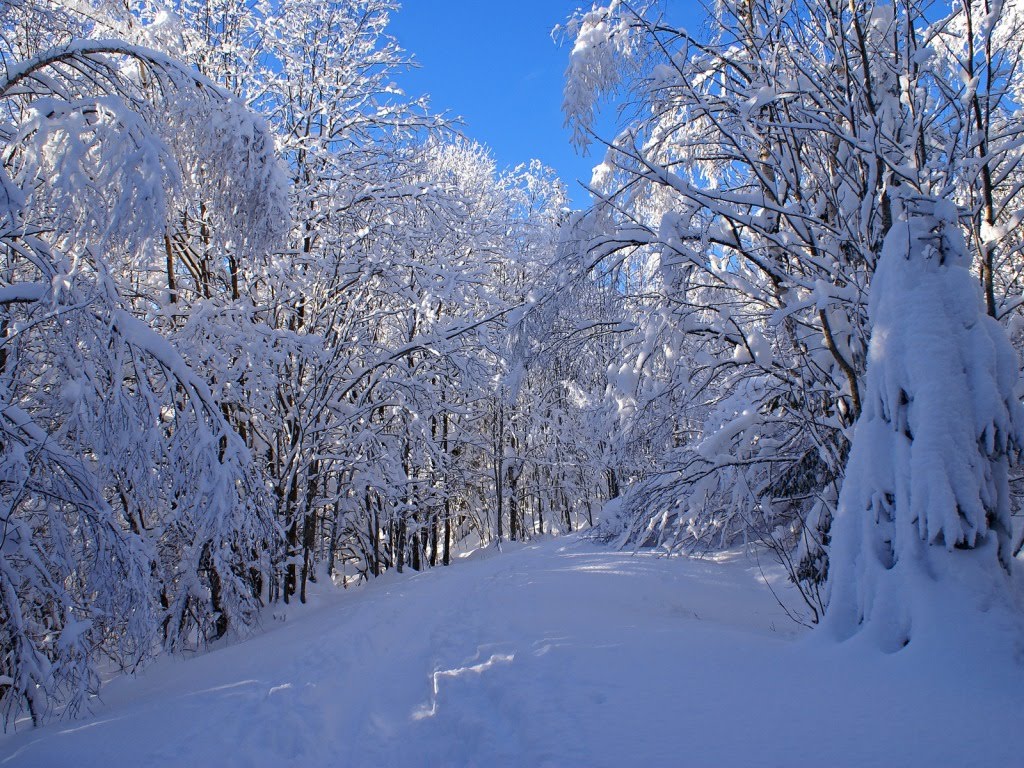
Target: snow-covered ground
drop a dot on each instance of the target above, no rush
(555, 654)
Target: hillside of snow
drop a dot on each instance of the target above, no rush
(560, 653)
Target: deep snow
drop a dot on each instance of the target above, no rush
(559, 653)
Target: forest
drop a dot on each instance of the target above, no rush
(270, 324)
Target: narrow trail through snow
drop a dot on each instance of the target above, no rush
(553, 654)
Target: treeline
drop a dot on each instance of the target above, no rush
(763, 168)
(264, 320)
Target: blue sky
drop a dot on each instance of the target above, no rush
(497, 67)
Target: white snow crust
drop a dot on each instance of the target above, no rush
(559, 653)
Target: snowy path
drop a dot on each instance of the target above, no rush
(556, 654)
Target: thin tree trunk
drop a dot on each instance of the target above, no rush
(447, 556)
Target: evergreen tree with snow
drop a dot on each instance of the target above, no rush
(921, 540)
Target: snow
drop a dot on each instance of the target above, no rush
(927, 476)
(559, 653)
(23, 292)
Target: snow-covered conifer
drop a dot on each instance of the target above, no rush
(922, 532)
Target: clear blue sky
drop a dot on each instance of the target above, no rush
(496, 66)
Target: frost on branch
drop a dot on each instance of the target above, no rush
(600, 48)
(922, 533)
(130, 512)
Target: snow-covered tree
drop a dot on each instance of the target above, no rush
(921, 538)
(744, 204)
(131, 510)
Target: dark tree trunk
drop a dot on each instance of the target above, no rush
(433, 540)
(220, 624)
(400, 544)
(447, 532)
(513, 505)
